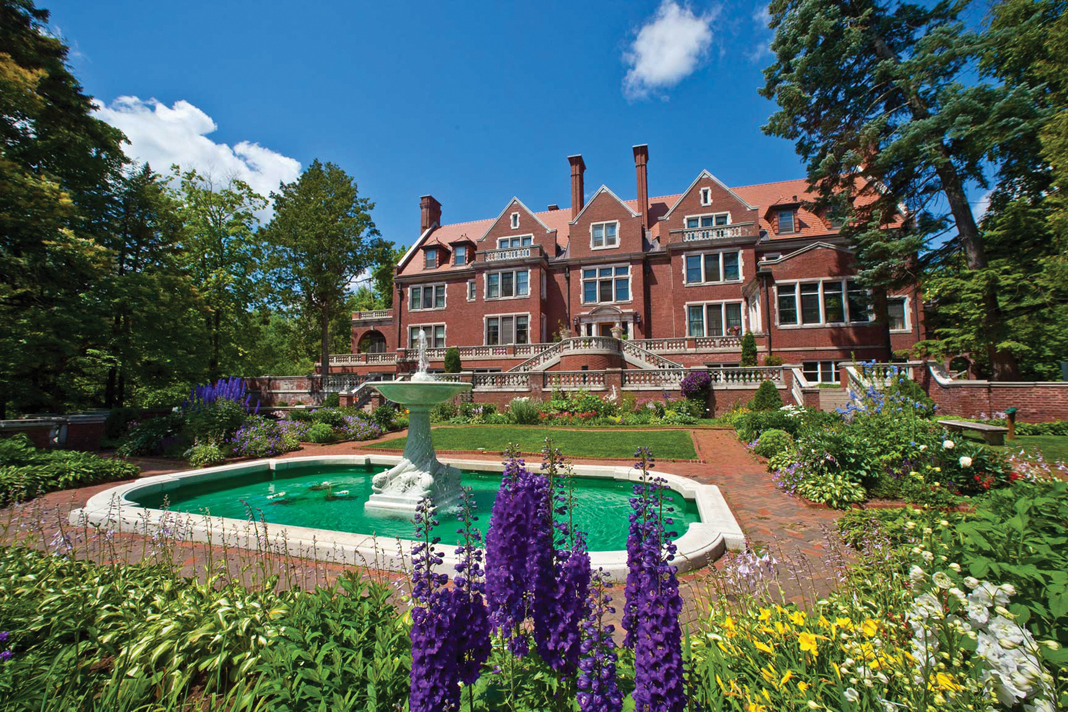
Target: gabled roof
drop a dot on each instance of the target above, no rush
(501, 215)
(606, 189)
(717, 181)
(800, 251)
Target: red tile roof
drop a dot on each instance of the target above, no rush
(762, 196)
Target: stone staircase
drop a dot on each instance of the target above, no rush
(833, 398)
(632, 353)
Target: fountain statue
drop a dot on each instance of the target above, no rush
(397, 491)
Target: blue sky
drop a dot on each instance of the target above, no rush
(470, 102)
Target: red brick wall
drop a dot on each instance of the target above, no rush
(722, 201)
(605, 208)
(1036, 402)
(594, 362)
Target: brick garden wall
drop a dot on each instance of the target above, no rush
(1036, 401)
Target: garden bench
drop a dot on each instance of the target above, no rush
(993, 434)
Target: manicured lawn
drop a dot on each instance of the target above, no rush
(588, 442)
(1052, 447)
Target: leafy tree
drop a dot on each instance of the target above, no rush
(322, 237)
(382, 274)
(452, 360)
(873, 96)
(749, 350)
(223, 254)
(57, 163)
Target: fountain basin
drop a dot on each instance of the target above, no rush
(134, 508)
(420, 392)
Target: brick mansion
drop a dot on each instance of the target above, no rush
(649, 283)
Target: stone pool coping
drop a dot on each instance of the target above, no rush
(112, 509)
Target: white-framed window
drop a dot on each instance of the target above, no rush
(695, 222)
(508, 284)
(508, 243)
(459, 255)
(604, 235)
(504, 329)
(714, 319)
(426, 296)
(430, 256)
(706, 196)
(514, 220)
(435, 335)
(897, 309)
(786, 221)
(820, 371)
(819, 303)
(712, 267)
(470, 290)
(601, 285)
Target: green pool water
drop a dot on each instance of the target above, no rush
(601, 510)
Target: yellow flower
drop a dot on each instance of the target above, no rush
(780, 628)
(762, 646)
(765, 615)
(802, 685)
(824, 623)
(754, 707)
(786, 678)
(843, 623)
(797, 618)
(808, 643)
(870, 628)
(945, 681)
(728, 623)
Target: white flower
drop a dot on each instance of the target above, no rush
(916, 574)
(971, 582)
(947, 444)
(966, 462)
(927, 556)
(955, 566)
(922, 448)
(851, 695)
(942, 581)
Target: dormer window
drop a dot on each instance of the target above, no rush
(786, 221)
(459, 254)
(431, 256)
(604, 235)
(706, 196)
(515, 221)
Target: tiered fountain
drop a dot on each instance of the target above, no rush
(397, 491)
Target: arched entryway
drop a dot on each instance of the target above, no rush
(372, 342)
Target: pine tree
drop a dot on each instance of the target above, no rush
(749, 350)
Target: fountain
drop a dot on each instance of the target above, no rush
(397, 491)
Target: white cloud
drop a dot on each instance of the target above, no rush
(164, 135)
(979, 208)
(762, 35)
(667, 49)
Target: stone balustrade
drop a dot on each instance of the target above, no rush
(718, 232)
(509, 253)
(573, 380)
(375, 315)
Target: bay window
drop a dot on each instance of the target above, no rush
(427, 296)
(507, 329)
(713, 267)
(606, 284)
(837, 301)
(715, 319)
(435, 335)
(507, 284)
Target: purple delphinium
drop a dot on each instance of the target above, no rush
(435, 675)
(470, 617)
(635, 536)
(508, 547)
(597, 687)
(653, 599)
(561, 589)
(234, 389)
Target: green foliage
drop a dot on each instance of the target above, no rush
(524, 411)
(452, 360)
(118, 420)
(26, 472)
(767, 397)
(330, 416)
(301, 415)
(443, 412)
(773, 360)
(332, 400)
(148, 436)
(772, 442)
(749, 350)
(581, 403)
(213, 422)
(385, 417)
(321, 433)
(205, 455)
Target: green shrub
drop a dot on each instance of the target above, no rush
(767, 397)
(27, 472)
(332, 400)
(749, 350)
(452, 360)
(149, 437)
(320, 433)
(524, 411)
(215, 422)
(334, 418)
(302, 415)
(443, 412)
(117, 421)
(773, 360)
(385, 416)
(204, 455)
(772, 442)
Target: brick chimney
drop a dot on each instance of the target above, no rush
(641, 158)
(578, 195)
(429, 213)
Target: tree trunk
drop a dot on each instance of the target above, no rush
(325, 359)
(881, 301)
